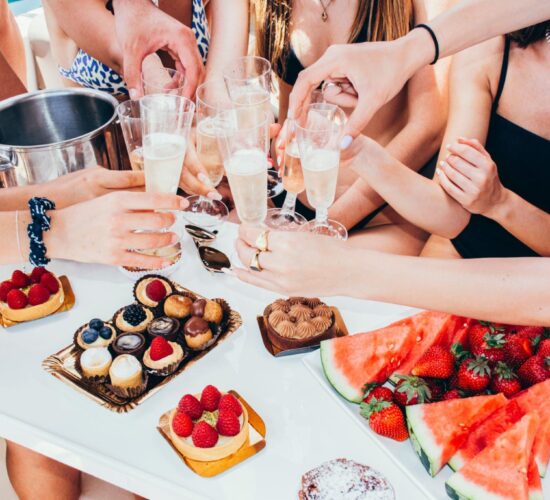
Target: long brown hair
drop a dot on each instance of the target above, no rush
(386, 20)
(532, 34)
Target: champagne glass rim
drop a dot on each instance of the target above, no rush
(126, 109)
(184, 104)
(218, 106)
(327, 106)
(266, 119)
(171, 72)
(230, 68)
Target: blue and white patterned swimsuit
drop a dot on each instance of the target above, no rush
(93, 74)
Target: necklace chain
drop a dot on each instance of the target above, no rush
(324, 14)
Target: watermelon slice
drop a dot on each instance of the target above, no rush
(353, 361)
(500, 470)
(533, 479)
(432, 328)
(461, 335)
(437, 430)
(535, 399)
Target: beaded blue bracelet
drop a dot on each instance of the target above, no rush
(40, 223)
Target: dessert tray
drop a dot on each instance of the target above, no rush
(65, 364)
(254, 444)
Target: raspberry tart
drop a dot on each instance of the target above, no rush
(26, 297)
(133, 318)
(209, 426)
(163, 357)
(152, 290)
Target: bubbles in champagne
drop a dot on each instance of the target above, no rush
(320, 167)
(293, 177)
(163, 160)
(207, 132)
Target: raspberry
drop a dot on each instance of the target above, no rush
(191, 405)
(228, 423)
(230, 402)
(20, 279)
(210, 398)
(49, 281)
(182, 424)
(160, 348)
(155, 290)
(134, 314)
(37, 273)
(204, 435)
(5, 287)
(16, 299)
(38, 294)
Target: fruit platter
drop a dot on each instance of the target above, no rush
(121, 361)
(460, 405)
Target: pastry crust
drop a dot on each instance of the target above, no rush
(198, 341)
(97, 370)
(213, 312)
(135, 380)
(126, 327)
(99, 342)
(178, 306)
(141, 295)
(175, 357)
(29, 313)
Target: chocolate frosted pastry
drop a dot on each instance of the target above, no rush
(321, 323)
(197, 333)
(323, 310)
(151, 290)
(300, 312)
(178, 306)
(280, 305)
(286, 329)
(312, 302)
(164, 327)
(305, 330)
(198, 307)
(129, 343)
(133, 318)
(210, 310)
(346, 480)
(277, 317)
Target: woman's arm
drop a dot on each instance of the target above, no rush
(228, 34)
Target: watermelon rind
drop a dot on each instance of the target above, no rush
(456, 462)
(422, 441)
(459, 488)
(335, 378)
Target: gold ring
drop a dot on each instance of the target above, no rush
(262, 241)
(255, 262)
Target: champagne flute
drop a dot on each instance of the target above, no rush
(248, 82)
(129, 114)
(211, 99)
(318, 135)
(244, 146)
(162, 81)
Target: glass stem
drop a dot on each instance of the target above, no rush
(321, 217)
(289, 206)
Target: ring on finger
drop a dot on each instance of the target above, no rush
(262, 241)
(255, 262)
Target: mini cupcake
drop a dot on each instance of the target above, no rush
(178, 306)
(133, 318)
(127, 377)
(209, 310)
(165, 327)
(163, 357)
(96, 333)
(151, 290)
(197, 333)
(276, 317)
(94, 364)
(129, 343)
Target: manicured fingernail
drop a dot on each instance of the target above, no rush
(438, 172)
(184, 203)
(442, 163)
(133, 94)
(204, 179)
(279, 159)
(448, 146)
(346, 142)
(229, 272)
(214, 195)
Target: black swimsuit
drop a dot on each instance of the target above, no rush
(522, 158)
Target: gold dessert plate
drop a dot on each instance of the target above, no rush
(341, 331)
(68, 304)
(255, 443)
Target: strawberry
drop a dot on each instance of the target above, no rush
(37, 273)
(155, 290)
(536, 369)
(38, 294)
(204, 435)
(517, 350)
(544, 348)
(230, 402)
(436, 362)
(504, 380)
(228, 423)
(488, 340)
(160, 348)
(16, 299)
(210, 398)
(451, 394)
(380, 393)
(5, 287)
(182, 424)
(191, 405)
(50, 282)
(437, 389)
(20, 279)
(530, 331)
(386, 419)
(411, 390)
(474, 375)
(460, 353)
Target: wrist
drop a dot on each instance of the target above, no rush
(418, 50)
(54, 239)
(500, 210)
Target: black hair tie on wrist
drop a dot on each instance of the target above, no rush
(40, 223)
(434, 38)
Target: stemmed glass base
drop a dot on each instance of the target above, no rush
(274, 184)
(204, 212)
(329, 228)
(284, 220)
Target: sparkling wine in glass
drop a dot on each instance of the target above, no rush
(129, 115)
(318, 135)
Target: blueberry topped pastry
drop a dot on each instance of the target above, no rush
(133, 318)
(96, 333)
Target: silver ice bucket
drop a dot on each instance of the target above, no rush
(46, 134)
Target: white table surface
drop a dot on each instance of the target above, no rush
(304, 426)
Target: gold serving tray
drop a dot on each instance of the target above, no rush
(341, 331)
(66, 306)
(62, 366)
(255, 443)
